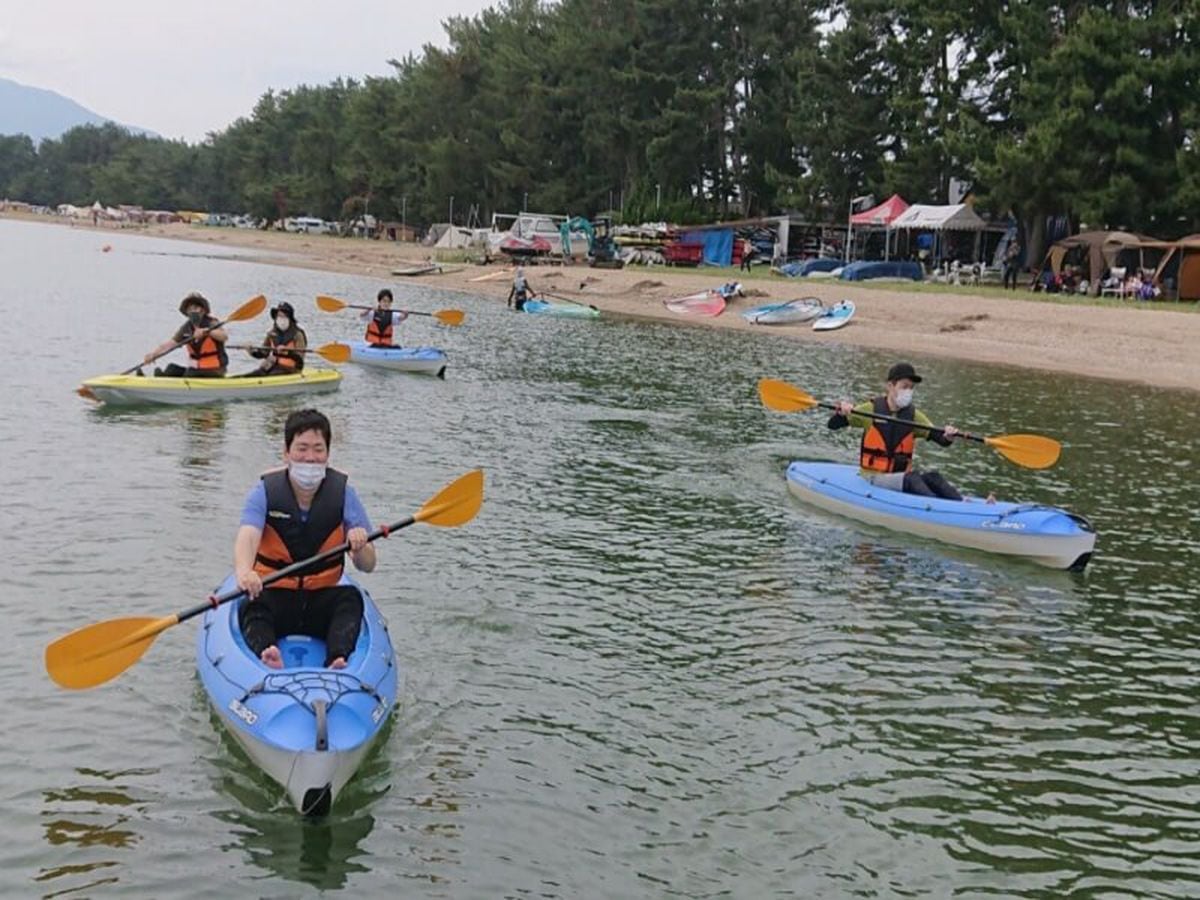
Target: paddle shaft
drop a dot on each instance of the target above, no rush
(274, 349)
(172, 349)
(411, 312)
(332, 553)
(879, 417)
(566, 299)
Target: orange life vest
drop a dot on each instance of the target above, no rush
(206, 353)
(379, 328)
(288, 537)
(281, 343)
(888, 446)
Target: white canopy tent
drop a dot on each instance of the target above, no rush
(938, 219)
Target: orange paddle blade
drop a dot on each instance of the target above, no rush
(248, 310)
(783, 397)
(454, 504)
(450, 316)
(330, 304)
(334, 352)
(97, 653)
(1033, 451)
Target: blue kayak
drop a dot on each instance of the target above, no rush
(1042, 534)
(571, 310)
(429, 360)
(306, 726)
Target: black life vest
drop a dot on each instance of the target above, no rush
(888, 446)
(287, 537)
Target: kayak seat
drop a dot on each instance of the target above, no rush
(301, 651)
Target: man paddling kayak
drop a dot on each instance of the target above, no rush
(382, 320)
(291, 514)
(886, 451)
(205, 344)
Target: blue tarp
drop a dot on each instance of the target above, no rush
(861, 271)
(805, 267)
(717, 243)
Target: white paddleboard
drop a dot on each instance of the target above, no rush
(835, 317)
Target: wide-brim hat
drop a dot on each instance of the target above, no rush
(191, 299)
(284, 307)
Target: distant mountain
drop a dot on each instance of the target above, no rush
(44, 114)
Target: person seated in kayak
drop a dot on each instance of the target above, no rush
(205, 344)
(286, 342)
(291, 514)
(381, 321)
(520, 291)
(886, 452)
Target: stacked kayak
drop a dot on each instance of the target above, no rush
(429, 360)
(1045, 535)
(803, 310)
(132, 390)
(569, 310)
(705, 303)
(307, 727)
(835, 317)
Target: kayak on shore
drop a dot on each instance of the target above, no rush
(138, 390)
(567, 310)
(307, 727)
(423, 360)
(1044, 535)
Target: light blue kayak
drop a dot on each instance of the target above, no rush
(309, 728)
(426, 360)
(1045, 535)
(571, 310)
(802, 310)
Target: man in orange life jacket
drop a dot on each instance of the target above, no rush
(886, 452)
(382, 320)
(205, 344)
(292, 514)
(287, 341)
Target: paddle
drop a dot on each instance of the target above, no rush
(334, 352)
(445, 316)
(97, 653)
(247, 310)
(1033, 451)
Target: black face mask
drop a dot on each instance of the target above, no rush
(195, 317)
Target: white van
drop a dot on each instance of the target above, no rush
(312, 225)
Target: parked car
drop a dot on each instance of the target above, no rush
(312, 225)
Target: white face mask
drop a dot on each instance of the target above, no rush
(282, 322)
(904, 398)
(307, 476)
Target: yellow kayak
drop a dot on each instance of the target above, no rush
(131, 390)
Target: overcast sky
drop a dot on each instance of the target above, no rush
(183, 69)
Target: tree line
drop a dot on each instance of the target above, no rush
(698, 110)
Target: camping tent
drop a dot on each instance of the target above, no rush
(1099, 251)
(956, 217)
(1179, 272)
(882, 215)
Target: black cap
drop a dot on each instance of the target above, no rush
(903, 370)
(284, 307)
(194, 297)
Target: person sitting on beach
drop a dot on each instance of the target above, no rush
(886, 451)
(291, 514)
(205, 343)
(382, 320)
(283, 347)
(520, 291)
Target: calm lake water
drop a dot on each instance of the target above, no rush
(643, 670)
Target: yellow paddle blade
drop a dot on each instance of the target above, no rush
(334, 352)
(450, 316)
(1033, 451)
(96, 653)
(330, 304)
(783, 397)
(454, 504)
(248, 310)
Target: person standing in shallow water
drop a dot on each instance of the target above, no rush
(520, 291)
(887, 448)
(291, 514)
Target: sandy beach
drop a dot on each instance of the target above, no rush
(1153, 344)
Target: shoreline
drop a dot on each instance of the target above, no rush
(1155, 346)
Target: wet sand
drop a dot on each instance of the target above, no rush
(1155, 344)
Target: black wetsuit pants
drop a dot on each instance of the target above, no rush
(333, 614)
(930, 484)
